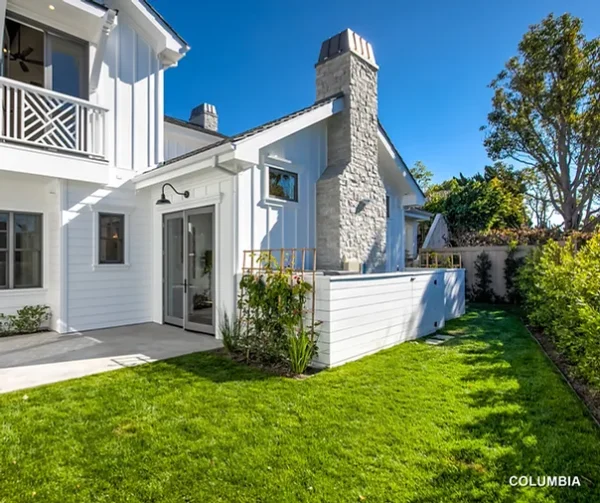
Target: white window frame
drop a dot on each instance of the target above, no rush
(96, 237)
(281, 165)
(10, 251)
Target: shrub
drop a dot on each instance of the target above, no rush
(272, 306)
(302, 349)
(561, 288)
(512, 264)
(230, 331)
(482, 289)
(27, 320)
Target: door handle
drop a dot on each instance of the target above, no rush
(185, 286)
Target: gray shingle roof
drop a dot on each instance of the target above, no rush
(151, 8)
(195, 127)
(255, 130)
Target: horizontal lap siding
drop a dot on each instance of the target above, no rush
(100, 297)
(24, 193)
(363, 315)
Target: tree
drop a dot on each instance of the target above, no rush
(422, 175)
(546, 115)
(492, 200)
(537, 199)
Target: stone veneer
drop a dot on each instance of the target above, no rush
(351, 197)
(205, 115)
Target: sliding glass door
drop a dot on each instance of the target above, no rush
(188, 269)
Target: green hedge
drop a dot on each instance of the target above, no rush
(561, 290)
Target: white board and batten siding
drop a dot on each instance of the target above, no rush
(180, 140)
(264, 223)
(131, 86)
(362, 314)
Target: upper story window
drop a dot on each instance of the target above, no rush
(35, 55)
(111, 240)
(20, 250)
(283, 184)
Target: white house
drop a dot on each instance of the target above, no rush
(86, 153)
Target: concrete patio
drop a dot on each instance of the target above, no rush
(33, 360)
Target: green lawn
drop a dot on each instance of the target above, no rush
(414, 423)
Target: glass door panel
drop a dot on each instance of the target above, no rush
(188, 269)
(200, 308)
(173, 268)
(66, 67)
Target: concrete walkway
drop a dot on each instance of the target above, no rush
(33, 360)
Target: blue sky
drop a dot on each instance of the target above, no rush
(255, 62)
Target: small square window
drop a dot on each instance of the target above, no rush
(283, 184)
(111, 238)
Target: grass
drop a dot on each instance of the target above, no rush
(413, 423)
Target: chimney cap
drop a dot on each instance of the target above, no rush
(204, 108)
(347, 41)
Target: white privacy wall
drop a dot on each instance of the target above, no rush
(363, 314)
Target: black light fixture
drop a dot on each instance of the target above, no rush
(164, 200)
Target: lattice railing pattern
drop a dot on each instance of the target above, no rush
(53, 120)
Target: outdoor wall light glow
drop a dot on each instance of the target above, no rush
(164, 200)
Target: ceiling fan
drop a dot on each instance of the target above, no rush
(22, 54)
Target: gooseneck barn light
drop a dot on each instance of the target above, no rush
(164, 200)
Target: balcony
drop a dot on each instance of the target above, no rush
(50, 120)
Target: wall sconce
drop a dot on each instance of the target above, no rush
(164, 200)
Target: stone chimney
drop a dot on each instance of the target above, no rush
(351, 202)
(205, 115)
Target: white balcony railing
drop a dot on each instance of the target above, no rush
(43, 118)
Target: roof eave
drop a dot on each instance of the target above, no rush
(419, 196)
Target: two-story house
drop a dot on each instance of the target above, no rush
(113, 214)
(81, 112)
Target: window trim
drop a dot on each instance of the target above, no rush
(11, 250)
(96, 264)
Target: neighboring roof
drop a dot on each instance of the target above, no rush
(387, 137)
(195, 127)
(251, 132)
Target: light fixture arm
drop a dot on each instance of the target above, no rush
(185, 193)
(164, 200)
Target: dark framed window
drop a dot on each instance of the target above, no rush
(111, 240)
(387, 206)
(283, 184)
(21, 239)
(4, 218)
